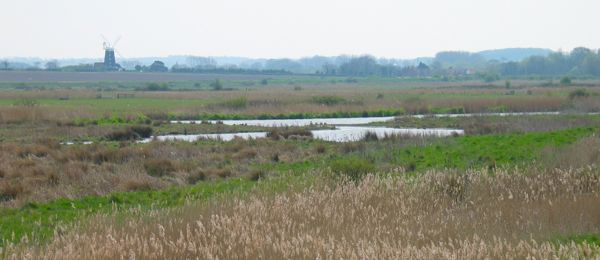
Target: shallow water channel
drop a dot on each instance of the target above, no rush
(346, 129)
(339, 134)
(348, 121)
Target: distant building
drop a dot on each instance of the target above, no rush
(110, 63)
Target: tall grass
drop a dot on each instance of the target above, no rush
(516, 213)
(280, 101)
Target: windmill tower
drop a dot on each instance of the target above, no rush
(110, 63)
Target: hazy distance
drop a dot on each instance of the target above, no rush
(276, 28)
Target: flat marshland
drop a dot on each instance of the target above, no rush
(76, 182)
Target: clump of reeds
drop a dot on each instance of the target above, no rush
(289, 133)
(130, 133)
(515, 214)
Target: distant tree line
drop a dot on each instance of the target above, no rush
(489, 65)
(368, 66)
(580, 61)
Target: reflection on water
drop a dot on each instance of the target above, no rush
(192, 138)
(339, 134)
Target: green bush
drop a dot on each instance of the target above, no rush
(277, 133)
(565, 81)
(155, 86)
(579, 93)
(328, 100)
(130, 133)
(352, 168)
(217, 85)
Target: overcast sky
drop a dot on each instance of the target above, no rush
(285, 28)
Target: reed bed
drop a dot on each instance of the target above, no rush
(46, 171)
(62, 104)
(516, 213)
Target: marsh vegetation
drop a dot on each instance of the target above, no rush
(75, 180)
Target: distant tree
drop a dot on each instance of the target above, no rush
(201, 62)
(217, 85)
(459, 59)
(329, 69)
(158, 66)
(283, 64)
(565, 81)
(361, 66)
(578, 55)
(580, 61)
(4, 65)
(138, 68)
(422, 66)
(591, 65)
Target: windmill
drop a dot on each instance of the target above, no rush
(110, 63)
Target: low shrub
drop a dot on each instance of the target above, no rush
(10, 191)
(130, 133)
(33, 150)
(579, 93)
(196, 176)
(216, 85)
(320, 149)
(565, 81)
(328, 100)
(159, 167)
(350, 147)
(219, 172)
(142, 131)
(256, 175)
(286, 133)
(155, 86)
(246, 153)
(352, 168)
(275, 157)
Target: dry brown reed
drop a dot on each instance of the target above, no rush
(510, 214)
(45, 170)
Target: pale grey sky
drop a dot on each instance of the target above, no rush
(286, 28)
